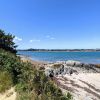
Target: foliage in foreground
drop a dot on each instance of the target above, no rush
(31, 84)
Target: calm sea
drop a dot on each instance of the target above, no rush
(87, 57)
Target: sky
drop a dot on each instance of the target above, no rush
(52, 24)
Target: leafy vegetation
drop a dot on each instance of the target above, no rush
(6, 42)
(30, 82)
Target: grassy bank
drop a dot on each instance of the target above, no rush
(30, 83)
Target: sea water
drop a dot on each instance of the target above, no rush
(85, 57)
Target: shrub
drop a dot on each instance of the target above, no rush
(31, 84)
(56, 66)
(69, 95)
(6, 42)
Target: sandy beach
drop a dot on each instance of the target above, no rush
(8, 95)
(84, 86)
(34, 62)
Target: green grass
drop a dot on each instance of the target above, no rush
(5, 81)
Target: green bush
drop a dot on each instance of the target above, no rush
(6, 42)
(31, 84)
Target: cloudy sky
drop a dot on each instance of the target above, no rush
(52, 23)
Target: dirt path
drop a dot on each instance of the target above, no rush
(8, 95)
(85, 86)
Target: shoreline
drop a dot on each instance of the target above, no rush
(71, 64)
(23, 57)
(56, 51)
(35, 62)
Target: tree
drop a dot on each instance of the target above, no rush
(6, 42)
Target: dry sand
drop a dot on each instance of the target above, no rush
(8, 95)
(84, 86)
(25, 59)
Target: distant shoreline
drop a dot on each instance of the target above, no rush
(60, 51)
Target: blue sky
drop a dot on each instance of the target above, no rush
(62, 24)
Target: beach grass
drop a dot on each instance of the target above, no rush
(5, 81)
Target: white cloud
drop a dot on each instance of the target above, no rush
(17, 39)
(34, 40)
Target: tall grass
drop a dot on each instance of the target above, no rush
(5, 81)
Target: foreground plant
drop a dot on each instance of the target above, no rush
(30, 82)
